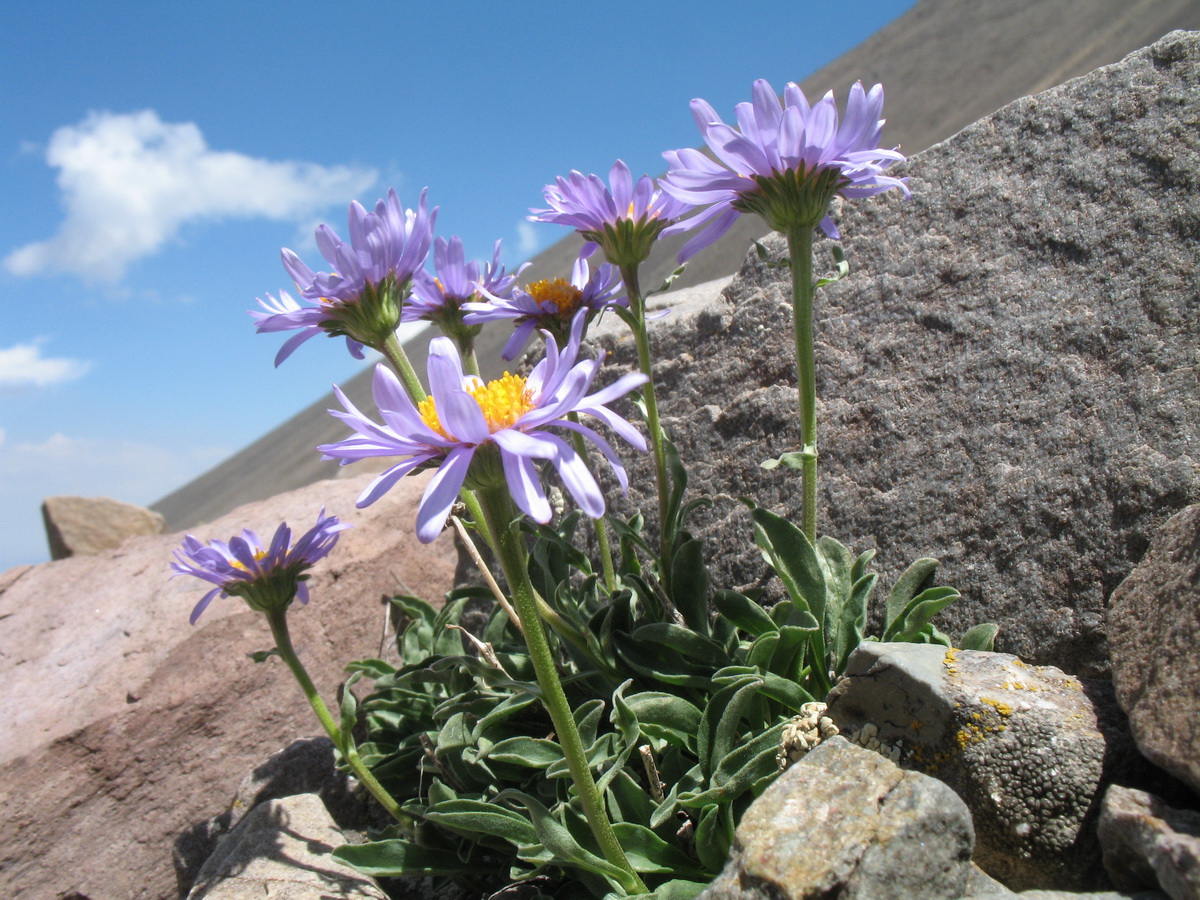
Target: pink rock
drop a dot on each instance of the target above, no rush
(124, 726)
(85, 526)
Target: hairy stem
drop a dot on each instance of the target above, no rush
(603, 546)
(394, 351)
(498, 508)
(344, 742)
(800, 246)
(641, 337)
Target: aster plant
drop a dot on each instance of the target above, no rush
(549, 304)
(601, 732)
(441, 297)
(361, 297)
(785, 162)
(489, 437)
(268, 578)
(623, 220)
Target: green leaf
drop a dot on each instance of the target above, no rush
(533, 753)
(794, 459)
(475, 817)
(667, 282)
(675, 890)
(762, 651)
(919, 611)
(678, 479)
(784, 690)
(398, 858)
(260, 656)
(743, 612)
(556, 838)
(349, 710)
(647, 852)
(786, 548)
(842, 267)
(372, 668)
(852, 622)
(690, 585)
(682, 640)
(752, 764)
(714, 836)
(981, 637)
(907, 586)
(723, 721)
(667, 716)
(500, 714)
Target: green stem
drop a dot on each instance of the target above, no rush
(800, 244)
(641, 337)
(344, 742)
(498, 508)
(602, 544)
(394, 351)
(470, 361)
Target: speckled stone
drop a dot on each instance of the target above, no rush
(845, 822)
(1154, 627)
(1027, 747)
(1148, 844)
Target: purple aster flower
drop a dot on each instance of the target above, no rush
(440, 299)
(267, 578)
(784, 162)
(285, 314)
(361, 298)
(487, 434)
(551, 304)
(624, 221)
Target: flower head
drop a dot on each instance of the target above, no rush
(785, 162)
(550, 304)
(624, 221)
(267, 578)
(361, 298)
(488, 434)
(440, 299)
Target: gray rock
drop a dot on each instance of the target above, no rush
(1007, 377)
(1148, 844)
(1027, 748)
(1154, 628)
(85, 526)
(844, 822)
(281, 850)
(305, 766)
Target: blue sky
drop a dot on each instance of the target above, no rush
(155, 156)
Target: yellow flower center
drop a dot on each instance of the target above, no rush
(564, 295)
(258, 555)
(502, 401)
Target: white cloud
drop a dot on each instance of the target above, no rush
(23, 366)
(130, 181)
(527, 238)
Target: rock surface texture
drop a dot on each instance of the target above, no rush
(85, 526)
(1148, 844)
(1007, 378)
(845, 822)
(281, 850)
(1028, 749)
(121, 719)
(1154, 628)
